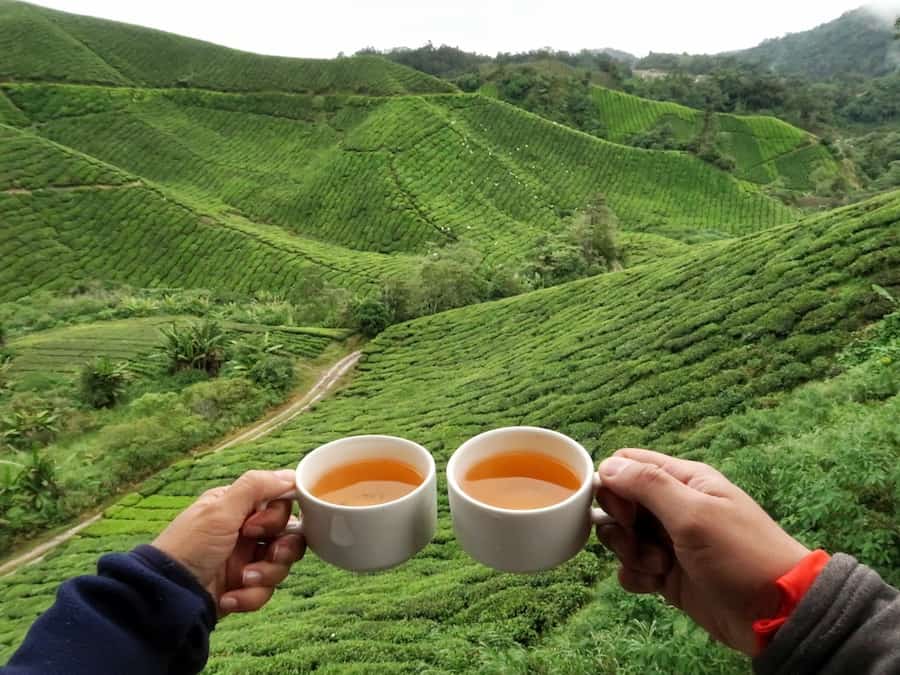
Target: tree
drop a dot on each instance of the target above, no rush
(102, 383)
(595, 231)
(273, 372)
(370, 316)
(197, 346)
(451, 278)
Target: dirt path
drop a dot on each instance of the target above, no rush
(267, 426)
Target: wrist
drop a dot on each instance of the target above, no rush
(790, 589)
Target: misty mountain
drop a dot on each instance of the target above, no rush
(860, 42)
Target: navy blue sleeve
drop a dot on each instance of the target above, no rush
(142, 614)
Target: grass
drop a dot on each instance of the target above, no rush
(680, 355)
(42, 44)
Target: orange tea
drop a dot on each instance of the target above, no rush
(520, 479)
(367, 482)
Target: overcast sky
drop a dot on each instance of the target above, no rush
(324, 28)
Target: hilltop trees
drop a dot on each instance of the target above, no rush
(586, 247)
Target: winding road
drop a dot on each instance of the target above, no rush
(318, 391)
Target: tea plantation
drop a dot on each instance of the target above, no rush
(65, 350)
(764, 148)
(42, 44)
(693, 355)
(148, 179)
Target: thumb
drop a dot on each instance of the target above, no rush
(651, 486)
(253, 488)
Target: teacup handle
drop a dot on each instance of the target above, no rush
(294, 524)
(598, 515)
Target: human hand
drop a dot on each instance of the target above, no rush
(233, 550)
(688, 533)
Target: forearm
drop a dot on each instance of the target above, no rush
(849, 621)
(141, 614)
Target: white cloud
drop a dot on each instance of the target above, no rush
(488, 26)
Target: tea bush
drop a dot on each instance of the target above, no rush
(672, 355)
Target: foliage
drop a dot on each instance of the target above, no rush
(102, 382)
(273, 372)
(506, 177)
(370, 316)
(586, 247)
(246, 351)
(758, 149)
(28, 427)
(196, 346)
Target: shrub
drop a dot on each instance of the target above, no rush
(197, 346)
(102, 383)
(370, 316)
(247, 351)
(273, 372)
(28, 428)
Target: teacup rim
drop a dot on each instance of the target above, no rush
(587, 484)
(426, 480)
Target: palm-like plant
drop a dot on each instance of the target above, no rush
(103, 382)
(246, 352)
(26, 429)
(197, 346)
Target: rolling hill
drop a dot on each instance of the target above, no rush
(764, 148)
(46, 45)
(675, 354)
(340, 172)
(339, 187)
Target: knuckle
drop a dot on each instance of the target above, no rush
(650, 474)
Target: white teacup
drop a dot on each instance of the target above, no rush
(367, 538)
(527, 540)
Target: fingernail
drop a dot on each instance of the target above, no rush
(252, 577)
(610, 467)
(254, 531)
(281, 555)
(228, 604)
(286, 475)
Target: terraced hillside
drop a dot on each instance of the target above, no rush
(391, 175)
(666, 354)
(68, 217)
(764, 148)
(65, 350)
(42, 44)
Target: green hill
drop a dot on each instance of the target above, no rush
(301, 189)
(691, 355)
(67, 217)
(764, 148)
(46, 45)
(756, 148)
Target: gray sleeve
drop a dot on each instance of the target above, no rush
(848, 622)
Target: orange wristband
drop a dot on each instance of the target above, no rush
(793, 587)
